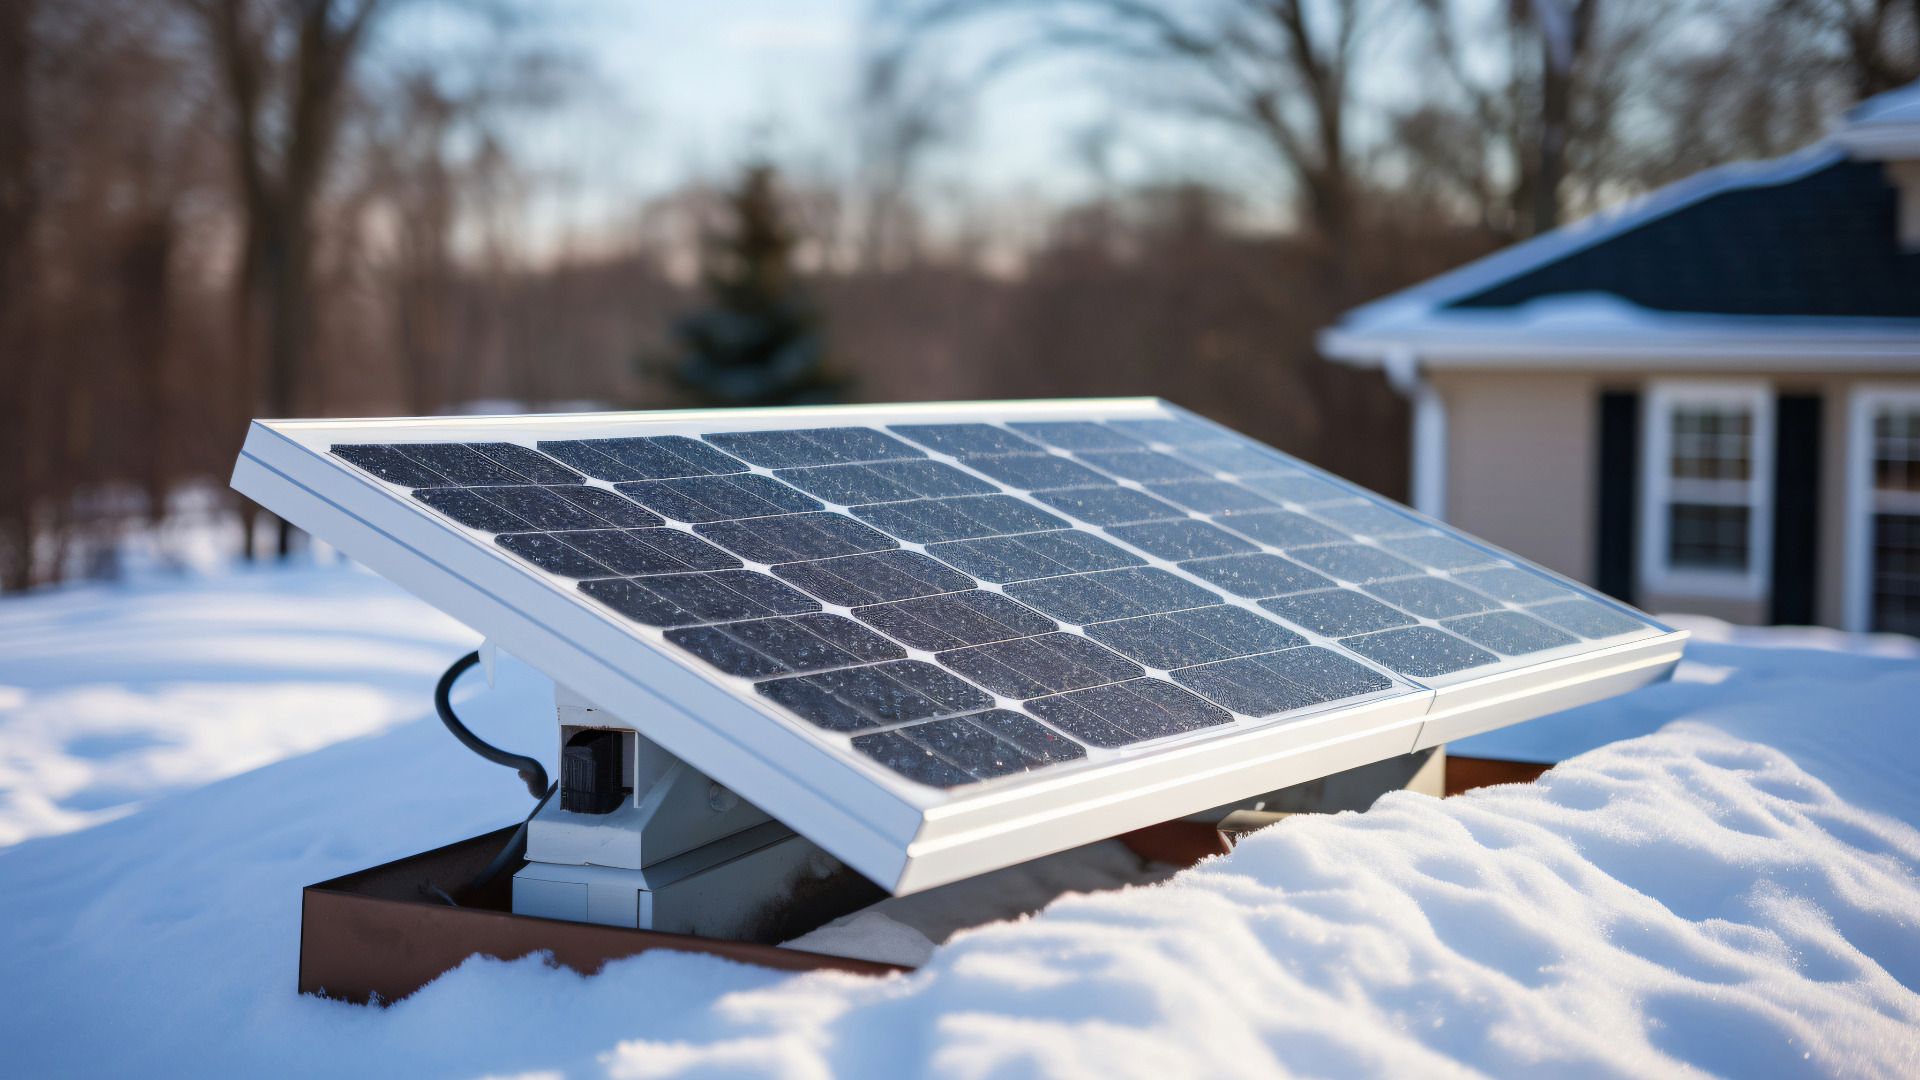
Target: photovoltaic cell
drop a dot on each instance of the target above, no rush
(1077, 435)
(859, 580)
(1109, 505)
(1431, 597)
(1510, 633)
(1587, 618)
(719, 498)
(1143, 465)
(1035, 555)
(1420, 651)
(1098, 683)
(966, 440)
(793, 537)
(1032, 473)
(954, 620)
(1256, 576)
(1181, 540)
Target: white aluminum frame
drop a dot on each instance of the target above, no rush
(1856, 613)
(1657, 575)
(903, 835)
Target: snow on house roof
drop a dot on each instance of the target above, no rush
(1772, 264)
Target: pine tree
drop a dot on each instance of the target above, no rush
(758, 341)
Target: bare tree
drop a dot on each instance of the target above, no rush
(19, 353)
(1875, 42)
(1280, 71)
(283, 65)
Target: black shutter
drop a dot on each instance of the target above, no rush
(1796, 508)
(1619, 461)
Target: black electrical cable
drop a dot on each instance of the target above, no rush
(531, 771)
(515, 850)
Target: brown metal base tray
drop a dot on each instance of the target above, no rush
(379, 934)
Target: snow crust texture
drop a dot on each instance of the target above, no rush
(1680, 904)
(1727, 883)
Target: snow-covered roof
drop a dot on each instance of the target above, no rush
(1787, 264)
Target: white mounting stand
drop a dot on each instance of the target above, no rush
(679, 854)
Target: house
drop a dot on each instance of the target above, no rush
(1706, 400)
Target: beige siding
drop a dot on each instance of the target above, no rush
(1520, 468)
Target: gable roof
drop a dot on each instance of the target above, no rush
(1782, 263)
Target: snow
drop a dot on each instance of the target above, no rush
(1724, 879)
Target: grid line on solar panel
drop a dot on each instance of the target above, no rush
(1278, 682)
(858, 698)
(1001, 559)
(795, 537)
(673, 600)
(1109, 505)
(1196, 636)
(875, 578)
(1034, 666)
(700, 499)
(811, 446)
(885, 481)
(954, 620)
(657, 457)
(1119, 714)
(930, 521)
(1036, 473)
(966, 440)
(1111, 594)
(1076, 435)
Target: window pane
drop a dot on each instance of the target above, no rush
(1896, 450)
(1896, 573)
(1712, 443)
(1707, 537)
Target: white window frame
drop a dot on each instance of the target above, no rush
(1856, 611)
(1657, 575)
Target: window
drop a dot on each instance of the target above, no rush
(1709, 473)
(1884, 553)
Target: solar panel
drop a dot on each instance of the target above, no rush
(937, 640)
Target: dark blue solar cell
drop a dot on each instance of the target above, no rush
(928, 521)
(1182, 539)
(1283, 529)
(954, 620)
(1303, 489)
(793, 643)
(966, 440)
(952, 695)
(861, 444)
(1077, 435)
(770, 594)
(858, 580)
(1109, 505)
(580, 454)
(1246, 686)
(389, 464)
(1588, 619)
(1143, 465)
(773, 449)
(1336, 612)
(465, 506)
(1034, 738)
(1170, 432)
(1514, 585)
(608, 506)
(1326, 673)
(1371, 519)
(1430, 597)
(1234, 458)
(544, 509)
(628, 553)
(702, 459)
(686, 599)
(1034, 555)
(909, 759)
(1199, 636)
(850, 636)
(461, 464)
(1143, 709)
(719, 498)
(1510, 633)
(535, 466)
(1354, 562)
(702, 597)
(1030, 473)
(1030, 667)
(634, 600)
(900, 690)
(1257, 575)
(1212, 496)
(1113, 594)
(1439, 552)
(793, 537)
(728, 654)
(847, 485)
(931, 479)
(820, 706)
(549, 553)
(971, 748)
(1420, 651)
(689, 549)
